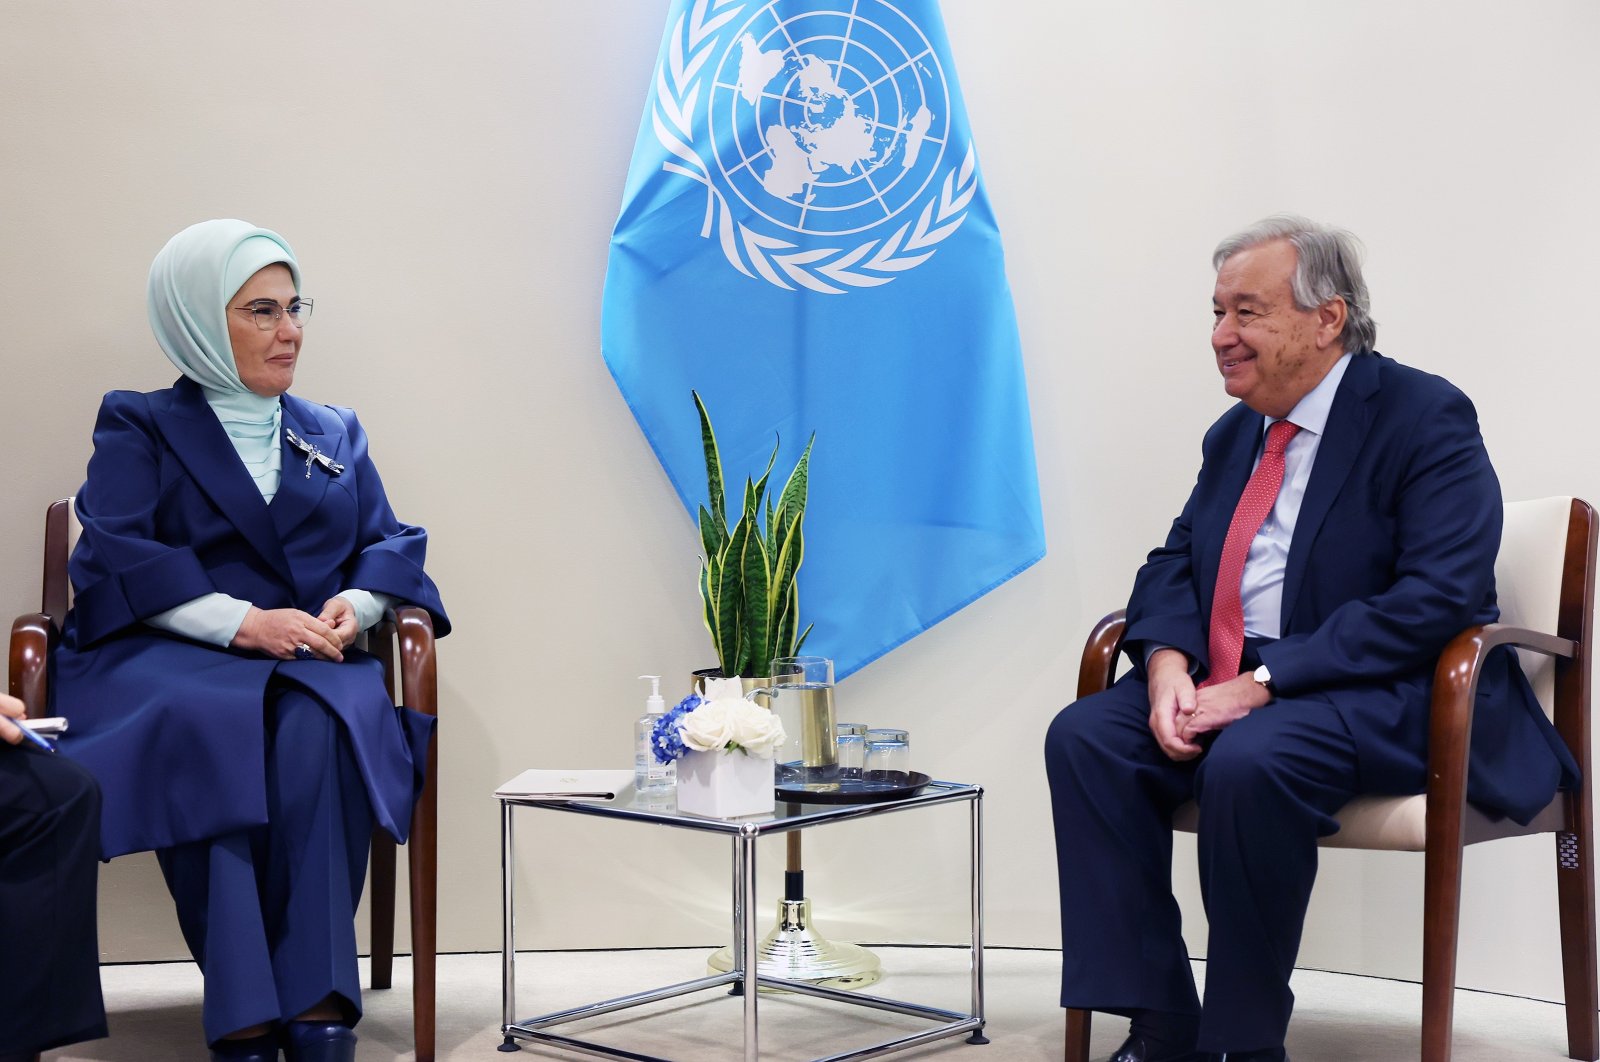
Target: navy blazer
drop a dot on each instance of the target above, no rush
(1393, 555)
(174, 729)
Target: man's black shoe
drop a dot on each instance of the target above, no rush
(1133, 1049)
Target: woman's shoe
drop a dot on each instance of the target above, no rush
(262, 1048)
(319, 1041)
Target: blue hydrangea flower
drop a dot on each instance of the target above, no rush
(666, 740)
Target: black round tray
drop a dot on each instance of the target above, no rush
(855, 791)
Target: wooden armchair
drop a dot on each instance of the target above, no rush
(1545, 576)
(410, 630)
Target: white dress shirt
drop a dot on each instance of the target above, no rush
(1261, 589)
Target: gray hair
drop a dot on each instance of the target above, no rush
(1327, 264)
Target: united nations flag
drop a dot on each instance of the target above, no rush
(805, 240)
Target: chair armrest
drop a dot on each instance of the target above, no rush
(31, 635)
(419, 685)
(419, 690)
(1455, 690)
(1455, 680)
(1099, 664)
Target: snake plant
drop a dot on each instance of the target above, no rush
(747, 575)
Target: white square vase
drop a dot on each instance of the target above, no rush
(726, 785)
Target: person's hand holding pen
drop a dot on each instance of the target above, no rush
(13, 734)
(10, 708)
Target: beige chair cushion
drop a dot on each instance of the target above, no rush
(1399, 824)
(1527, 573)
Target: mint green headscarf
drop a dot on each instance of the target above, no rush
(192, 281)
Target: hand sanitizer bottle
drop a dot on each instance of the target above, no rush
(650, 776)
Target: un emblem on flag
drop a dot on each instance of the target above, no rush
(822, 132)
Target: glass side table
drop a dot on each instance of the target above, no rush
(743, 834)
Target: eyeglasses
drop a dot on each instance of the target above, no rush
(266, 312)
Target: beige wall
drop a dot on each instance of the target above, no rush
(449, 175)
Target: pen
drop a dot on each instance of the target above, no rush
(31, 736)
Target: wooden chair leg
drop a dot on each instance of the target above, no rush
(382, 901)
(424, 857)
(1078, 1035)
(1441, 922)
(1575, 893)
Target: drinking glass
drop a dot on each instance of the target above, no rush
(888, 756)
(852, 742)
(802, 688)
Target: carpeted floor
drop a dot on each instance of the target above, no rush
(155, 1012)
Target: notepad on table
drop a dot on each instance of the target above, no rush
(541, 784)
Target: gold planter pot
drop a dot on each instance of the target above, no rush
(746, 684)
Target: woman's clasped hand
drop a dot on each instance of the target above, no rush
(279, 632)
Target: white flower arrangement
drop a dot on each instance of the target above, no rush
(718, 719)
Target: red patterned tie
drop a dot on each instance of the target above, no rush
(1227, 611)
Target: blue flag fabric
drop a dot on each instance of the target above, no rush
(805, 240)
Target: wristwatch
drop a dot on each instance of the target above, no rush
(1263, 678)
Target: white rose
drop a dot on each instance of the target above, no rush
(709, 727)
(757, 730)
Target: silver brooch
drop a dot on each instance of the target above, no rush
(314, 454)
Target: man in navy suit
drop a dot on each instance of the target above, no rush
(49, 859)
(1363, 537)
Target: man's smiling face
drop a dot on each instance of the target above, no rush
(1270, 352)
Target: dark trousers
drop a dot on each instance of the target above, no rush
(269, 913)
(1267, 787)
(49, 862)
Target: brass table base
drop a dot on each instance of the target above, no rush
(794, 950)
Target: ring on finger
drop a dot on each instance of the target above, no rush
(302, 651)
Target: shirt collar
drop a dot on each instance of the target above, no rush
(1311, 412)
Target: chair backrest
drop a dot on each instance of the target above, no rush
(1544, 572)
(61, 531)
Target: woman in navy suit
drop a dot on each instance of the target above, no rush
(236, 540)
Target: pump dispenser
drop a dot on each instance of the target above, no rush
(650, 776)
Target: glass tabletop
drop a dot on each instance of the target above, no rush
(786, 816)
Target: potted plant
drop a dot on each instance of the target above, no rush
(748, 583)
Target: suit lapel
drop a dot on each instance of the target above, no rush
(200, 444)
(1349, 418)
(298, 493)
